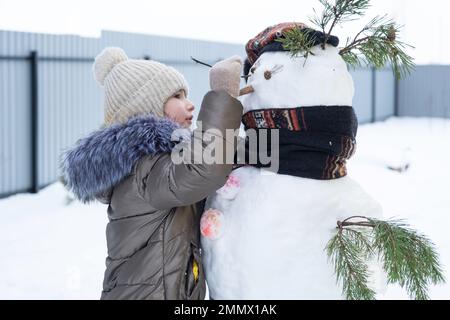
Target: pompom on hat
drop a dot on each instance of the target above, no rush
(134, 87)
(265, 41)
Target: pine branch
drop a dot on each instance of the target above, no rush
(348, 250)
(338, 12)
(377, 44)
(409, 258)
(298, 42)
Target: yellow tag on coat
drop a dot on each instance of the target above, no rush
(195, 270)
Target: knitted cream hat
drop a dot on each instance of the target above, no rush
(134, 87)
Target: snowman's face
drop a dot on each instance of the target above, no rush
(281, 81)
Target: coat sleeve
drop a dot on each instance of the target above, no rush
(164, 184)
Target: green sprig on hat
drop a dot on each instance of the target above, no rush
(376, 45)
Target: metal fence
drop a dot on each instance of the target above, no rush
(426, 93)
(374, 98)
(49, 99)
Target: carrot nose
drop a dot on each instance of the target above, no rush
(246, 90)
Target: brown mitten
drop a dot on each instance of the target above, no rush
(226, 75)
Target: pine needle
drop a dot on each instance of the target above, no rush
(298, 42)
(348, 250)
(338, 12)
(378, 45)
(409, 258)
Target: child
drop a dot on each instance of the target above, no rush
(153, 229)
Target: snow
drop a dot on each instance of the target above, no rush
(421, 194)
(52, 249)
(278, 225)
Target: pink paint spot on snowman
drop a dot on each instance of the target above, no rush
(233, 181)
(231, 188)
(211, 224)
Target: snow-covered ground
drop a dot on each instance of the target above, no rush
(55, 249)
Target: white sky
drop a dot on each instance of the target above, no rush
(236, 21)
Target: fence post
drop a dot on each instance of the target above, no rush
(396, 102)
(34, 122)
(374, 95)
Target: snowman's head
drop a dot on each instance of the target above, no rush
(282, 81)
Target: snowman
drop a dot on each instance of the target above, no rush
(264, 233)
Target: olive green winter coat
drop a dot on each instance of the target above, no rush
(154, 216)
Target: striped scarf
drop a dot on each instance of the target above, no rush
(314, 142)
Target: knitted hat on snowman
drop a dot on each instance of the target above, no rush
(266, 41)
(134, 87)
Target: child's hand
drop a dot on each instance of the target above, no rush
(226, 75)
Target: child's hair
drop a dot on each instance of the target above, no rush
(134, 87)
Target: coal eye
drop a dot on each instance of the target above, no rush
(252, 70)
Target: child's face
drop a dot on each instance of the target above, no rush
(180, 109)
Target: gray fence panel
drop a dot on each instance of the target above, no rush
(70, 103)
(384, 94)
(15, 126)
(362, 101)
(70, 106)
(425, 93)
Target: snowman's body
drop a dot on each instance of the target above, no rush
(275, 227)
